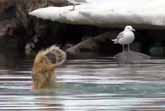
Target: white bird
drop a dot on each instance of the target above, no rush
(76, 2)
(125, 37)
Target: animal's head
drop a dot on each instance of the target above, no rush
(129, 27)
(44, 66)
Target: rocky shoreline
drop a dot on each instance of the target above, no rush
(32, 34)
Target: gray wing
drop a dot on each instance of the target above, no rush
(120, 35)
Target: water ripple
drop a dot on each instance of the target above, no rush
(87, 85)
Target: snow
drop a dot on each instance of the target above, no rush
(109, 13)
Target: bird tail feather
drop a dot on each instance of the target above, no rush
(115, 41)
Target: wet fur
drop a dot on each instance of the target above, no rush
(44, 70)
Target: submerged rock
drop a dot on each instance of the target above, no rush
(131, 57)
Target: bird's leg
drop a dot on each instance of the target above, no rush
(122, 48)
(128, 48)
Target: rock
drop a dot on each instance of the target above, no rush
(94, 46)
(83, 49)
(5, 4)
(7, 27)
(131, 57)
(157, 51)
(57, 2)
(28, 28)
(7, 21)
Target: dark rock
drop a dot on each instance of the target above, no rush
(83, 49)
(157, 51)
(94, 46)
(131, 57)
(7, 17)
(29, 28)
(7, 28)
(57, 2)
(6, 4)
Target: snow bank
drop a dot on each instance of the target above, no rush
(109, 13)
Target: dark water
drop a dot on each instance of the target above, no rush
(85, 85)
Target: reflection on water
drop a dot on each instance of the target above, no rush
(85, 85)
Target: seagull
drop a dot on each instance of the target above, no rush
(125, 37)
(76, 2)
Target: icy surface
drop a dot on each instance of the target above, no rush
(109, 13)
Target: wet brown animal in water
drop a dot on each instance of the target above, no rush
(44, 69)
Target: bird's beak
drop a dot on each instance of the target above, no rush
(133, 29)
